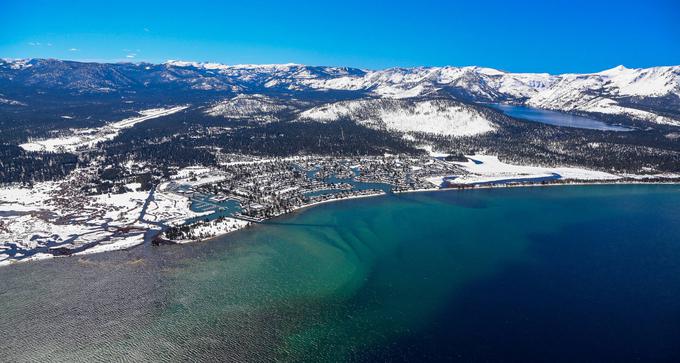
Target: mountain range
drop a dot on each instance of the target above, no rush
(649, 95)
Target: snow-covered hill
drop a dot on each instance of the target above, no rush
(258, 108)
(442, 117)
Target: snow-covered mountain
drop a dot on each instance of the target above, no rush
(475, 83)
(439, 116)
(648, 94)
(608, 92)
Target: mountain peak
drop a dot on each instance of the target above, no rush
(616, 70)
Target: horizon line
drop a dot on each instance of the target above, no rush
(203, 63)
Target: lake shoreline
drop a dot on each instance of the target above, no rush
(555, 117)
(538, 184)
(127, 248)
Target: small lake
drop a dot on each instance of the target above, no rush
(555, 118)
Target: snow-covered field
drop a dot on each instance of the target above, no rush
(87, 138)
(488, 169)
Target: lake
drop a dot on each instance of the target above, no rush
(559, 274)
(555, 118)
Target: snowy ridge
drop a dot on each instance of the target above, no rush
(595, 92)
(210, 65)
(485, 83)
(657, 81)
(634, 93)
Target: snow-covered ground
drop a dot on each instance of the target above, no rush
(440, 117)
(198, 175)
(430, 150)
(39, 218)
(265, 160)
(488, 168)
(48, 216)
(214, 228)
(86, 138)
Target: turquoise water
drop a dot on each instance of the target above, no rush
(203, 203)
(556, 118)
(586, 273)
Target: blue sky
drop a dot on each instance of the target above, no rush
(540, 36)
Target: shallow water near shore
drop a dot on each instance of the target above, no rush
(569, 273)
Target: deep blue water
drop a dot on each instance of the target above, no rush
(555, 118)
(599, 289)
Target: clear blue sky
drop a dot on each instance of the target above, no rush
(541, 36)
